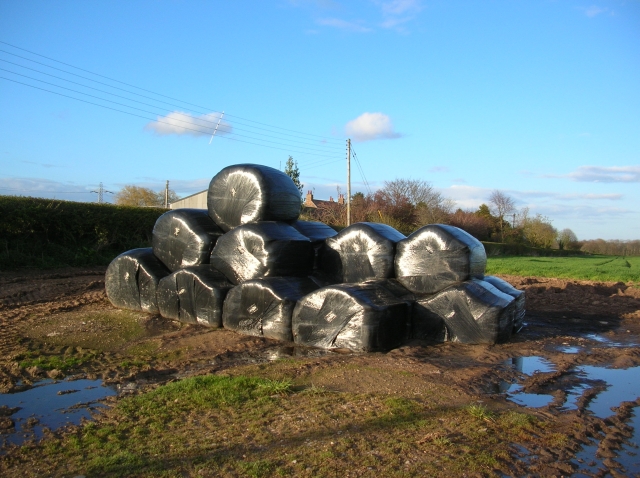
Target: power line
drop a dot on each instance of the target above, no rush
(366, 183)
(155, 112)
(147, 104)
(141, 89)
(164, 122)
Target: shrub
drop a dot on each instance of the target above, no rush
(37, 232)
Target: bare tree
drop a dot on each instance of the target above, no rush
(429, 205)
(502, 205)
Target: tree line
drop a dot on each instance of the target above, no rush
(407, 204)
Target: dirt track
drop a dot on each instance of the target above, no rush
(66, 314)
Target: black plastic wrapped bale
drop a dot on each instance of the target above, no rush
(194, 295)
(132, 279)
(437, 256)
(358, 317)
(184, 237)
(517, 294)
(317, 232)
(474, 312)
(251, 192)
(360, 252)
(263, 249)
(264, 307)
(424, 324)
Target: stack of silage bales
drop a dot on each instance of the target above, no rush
(248, 264)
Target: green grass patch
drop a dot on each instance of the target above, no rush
(57, 362)
(596, 267)
(209, 391)
(245, 426)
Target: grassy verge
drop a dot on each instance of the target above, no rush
(596, 268)
(243, 426)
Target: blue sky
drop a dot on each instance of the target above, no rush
(539, 99)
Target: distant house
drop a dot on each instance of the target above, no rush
(195, 201)
(320, 203)
(329, 212)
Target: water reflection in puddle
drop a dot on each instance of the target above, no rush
(621, 385)
(570, 349)
(604, 340)
(531, 365)
(52, 405)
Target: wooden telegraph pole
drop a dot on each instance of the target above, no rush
(348, 182)
(166, 196)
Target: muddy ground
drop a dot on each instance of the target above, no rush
(59, 323)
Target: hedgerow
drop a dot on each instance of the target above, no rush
(37, 232)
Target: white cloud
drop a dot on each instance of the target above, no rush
(400, 7)
(370, 126)
(611, 174)
(439, 169)
(46, 188)
(343, 25)
(181, 123)
(397, 12)
(182, 187)
(601, 174)
(44, 165)
(594, 11)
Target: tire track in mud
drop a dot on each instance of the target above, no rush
(13, 318)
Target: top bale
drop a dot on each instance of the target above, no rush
(246, 193)
(437, 256)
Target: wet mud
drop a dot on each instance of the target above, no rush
(575, 364)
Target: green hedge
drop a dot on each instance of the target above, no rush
(38, 232)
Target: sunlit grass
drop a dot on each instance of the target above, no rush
(596, 268)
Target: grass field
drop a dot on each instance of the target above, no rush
(597, 268)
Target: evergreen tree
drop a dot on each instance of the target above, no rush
(291, 170)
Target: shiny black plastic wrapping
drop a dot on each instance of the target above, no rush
(264, 307)
(246, 193)
(474, 312)
(132, 279)
(358, 317)
(518, 295)
(317, 232)
(359, 252)
(263, 249)
(437, 256)
(427, 324)
(424, 324)
(184, 237)
(194, 295)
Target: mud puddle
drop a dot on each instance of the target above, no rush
(600, 392)
(49, 404)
